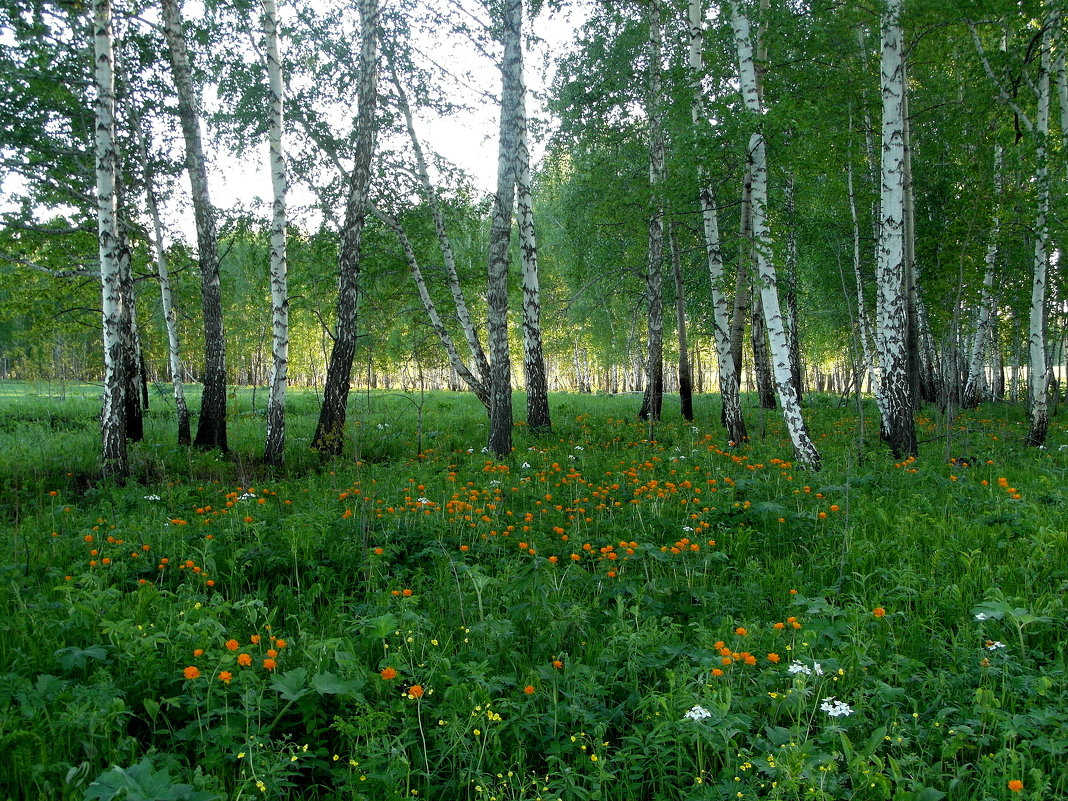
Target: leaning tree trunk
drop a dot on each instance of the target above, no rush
(976, 365)
(804, 449)
(533, 354)
(500, 364)
(113, 454)
(330, 431)
(479, 362)
(685, 371)
(211, 429)
(728, 374)
(170, 314)
(898, 425)
(275, 445)
(653, 399)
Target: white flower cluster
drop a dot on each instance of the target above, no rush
(836, 709)
(800, 667)
(153, 498)
(982, 616)
(423, 501)
(698, 712)
(382, 426)
(995, 645)
(246, 496)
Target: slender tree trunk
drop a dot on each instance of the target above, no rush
(804, 449)
(685, 371)
(330, 430)
(275, 445)
(479, 362)
(976, 364)
(1038, 367)
(500, 363)
(131, 357)
(113, 454)
(728, 367)
(211, 428)
(862, 306)
(533, 356)
(898, 425)
(444, 337)
(741, 277)
(653, 399)
(758, 334)
(170, 314)
(793, 335)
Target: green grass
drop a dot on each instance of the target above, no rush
(557, 660)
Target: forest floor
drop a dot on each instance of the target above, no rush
(615, 612)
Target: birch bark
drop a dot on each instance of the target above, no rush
(652, 400)
(685, 370)
(113, 454)
(533, 353)
(500, 364)
(211, 428)
(804, 449)
(329, 435)
(728, 374)
(898, 427)
(170, 314)
(274, 447)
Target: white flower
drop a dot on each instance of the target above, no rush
(245, 496)
(695, 429)
(982, 616)
(687, 528)
(799, 667)
(153, 498)
(495, 483)
(698, 712)
(571, 457)
(995, 645)
(816, 667)
(382, 426)
(836, 709)
(470, 450)
(526, 465)
(424, 501)
(580, 448)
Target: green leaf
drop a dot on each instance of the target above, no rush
(326, 683)
(290, 685)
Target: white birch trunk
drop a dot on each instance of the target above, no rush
(533, 353)
(728, 377)
(1038, 369)
(898, 427)
(274, 447)
(804, 449)
(114, 461)
(479, 362)
(652, 401)
(170, 314)
(500, 365)
(862, 308)
(976, 368)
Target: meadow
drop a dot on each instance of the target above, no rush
(616, 612)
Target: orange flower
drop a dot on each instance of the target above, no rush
(388, 673)
(270, 664)
(740, 631)
(529, 689)
(1015, 785)
(779, 626)
(191, 672)
(244, 660)
(255, 639)
(406, 593)
(415, 691)
(879, 611)
(717, 672)
(726, 660)
(232, 645)
(557, 664)
(280, 644)
(773, 658)
(272, 653)
(225, 676)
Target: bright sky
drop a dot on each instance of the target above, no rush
(468, 139)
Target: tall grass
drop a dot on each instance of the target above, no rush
(613, 612)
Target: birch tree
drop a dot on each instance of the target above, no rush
(500, 365)
(274, 448)
(898, 427)
(114, 461)
(728, 376)
(211, 428)
(330, 430)
(804, 450)
(653, 399)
